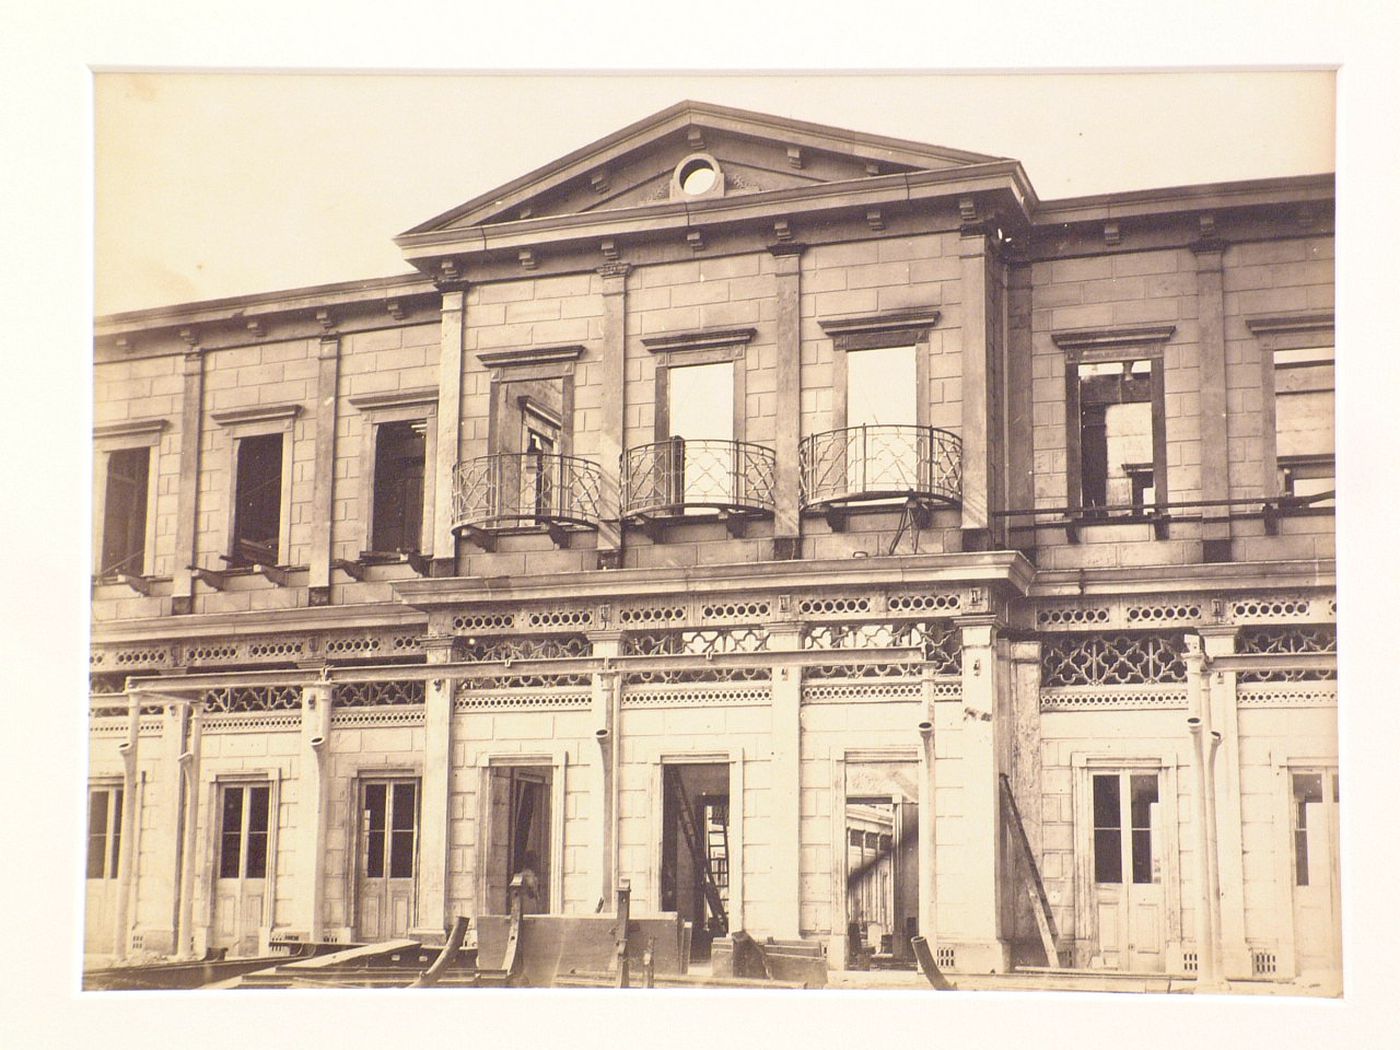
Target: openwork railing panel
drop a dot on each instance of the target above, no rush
(1112, 659)
(708, 642)
(527, 648)
(378, 694)
(233, 698)
(879, 462)
(941, 643)
(669, 476)
(680, 676)
(1285, 640)
(526, 488)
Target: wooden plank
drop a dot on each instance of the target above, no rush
(1040, 903)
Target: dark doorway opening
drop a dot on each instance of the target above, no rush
(695, 849)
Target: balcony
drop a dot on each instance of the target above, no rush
(871, 463)
(681, 478)
(525, 490)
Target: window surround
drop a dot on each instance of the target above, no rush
(211, 829)
(703, 346)
(401, 406)
(1292, 331)
(1122, 343)
(549, 362)
(557, 760)
(259, 421)
(118, 437)
(880, 331)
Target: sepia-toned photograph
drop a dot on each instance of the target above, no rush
(714, 532)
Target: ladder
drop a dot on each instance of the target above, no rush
(699, 856)
(717, 844)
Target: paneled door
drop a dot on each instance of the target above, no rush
(240, 884)
(1127, 846)
(388, 859)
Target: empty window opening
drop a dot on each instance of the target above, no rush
(257, 521)
(104, 832)
(399, 458)
(243, 835)
(1116, 445)
(520, 824)
(695, 849)
(1304, 435)
(700, 413)
(882, 452)
(1307, 796)
(124, 512)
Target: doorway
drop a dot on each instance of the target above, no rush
(388, 858)
(241, 873)
(1317, 920)
(880, 832)
(518, 835)
(695, 849)
(1128, 899)
(103, 856)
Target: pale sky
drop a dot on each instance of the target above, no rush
(210, 185)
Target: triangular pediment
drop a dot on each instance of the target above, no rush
(752, 153)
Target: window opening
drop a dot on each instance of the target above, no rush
(104, 832)
(124, 512)
(244, 832)
(1116, 444)
(399, 459)
(1304, 434)
(538, 481)
(257, 519)
(1108, 834)
(520, 830)
(1307, 791)
(700, 413)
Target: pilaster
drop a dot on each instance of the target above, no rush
(786, 780)
(613, 409)
(787, 259)
(1215, 472)
(443, 549)
(969, 859)
(161, 888)
(187, 495)
(977, 436)
(323, 482)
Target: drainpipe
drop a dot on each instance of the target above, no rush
(189, 773)
(927, 923)
(126, 857)
(1213, 852)
(321, 727)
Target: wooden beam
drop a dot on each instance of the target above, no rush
(1035, 888)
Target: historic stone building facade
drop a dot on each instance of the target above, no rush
(816, 529)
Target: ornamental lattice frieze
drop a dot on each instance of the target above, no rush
(1112, 658)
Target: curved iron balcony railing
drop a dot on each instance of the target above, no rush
(516, 489)
(680, 475)
(878, 461)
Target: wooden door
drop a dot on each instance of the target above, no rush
(240, 885)
(387, 896)
(1128, 898)
(1316, 897)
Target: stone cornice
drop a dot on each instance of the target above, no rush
(919, 317)
(1159, 579)
(1008, 568)
(396, 399)
(700, 339)
(131, 428)
(234, 417)
(543, 355)
(261, 622)
(1301, 321)
(1082, 341)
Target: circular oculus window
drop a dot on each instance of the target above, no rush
(697, 176)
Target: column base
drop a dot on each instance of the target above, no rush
(972, 956)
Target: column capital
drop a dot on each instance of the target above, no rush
(440, 648)
(614, 276)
